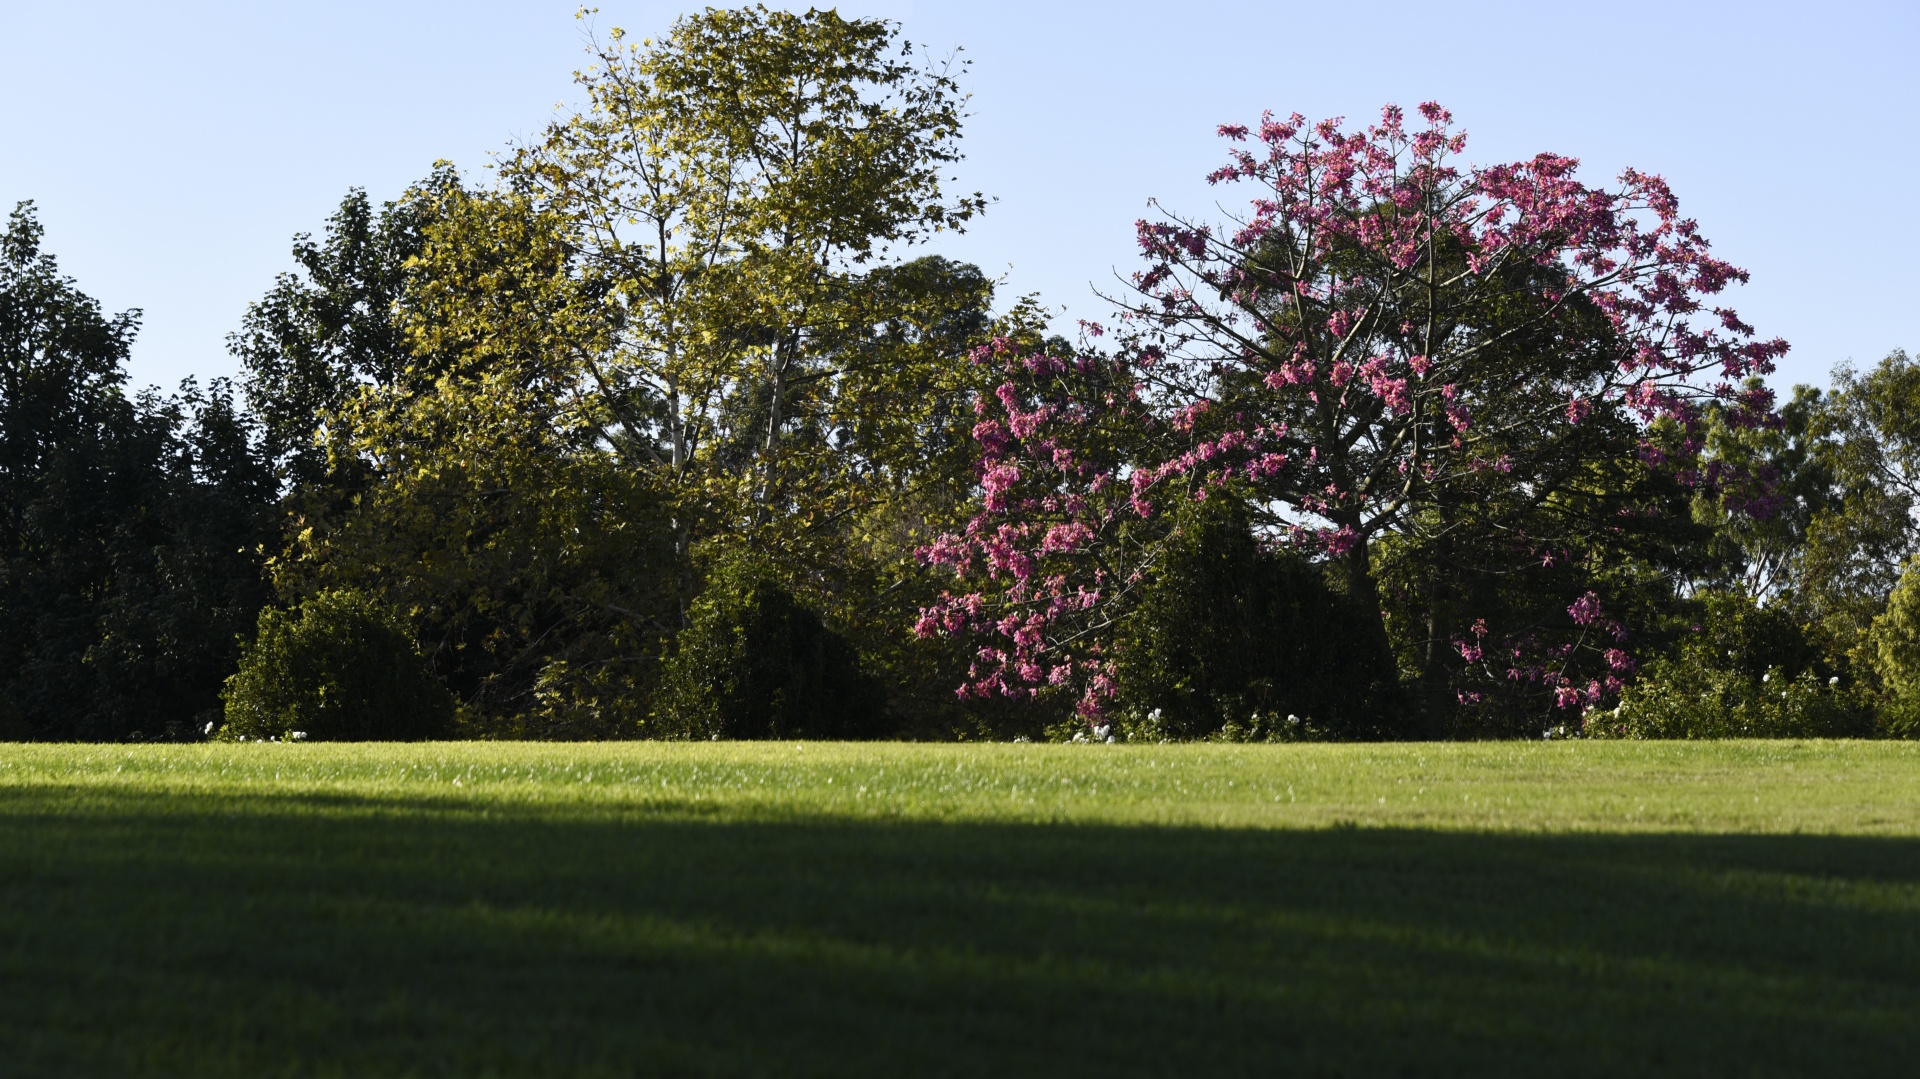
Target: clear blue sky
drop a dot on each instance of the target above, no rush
(174, 149)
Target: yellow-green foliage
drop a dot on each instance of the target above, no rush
(1895, 635)
(1894, 641)
(529, 560)
(1677, 699)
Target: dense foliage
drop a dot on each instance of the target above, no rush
(130, 526)
(1746, 671)
(754, 662)
(469, 485)
(680, 430)
(1235, 639)
(340, 668)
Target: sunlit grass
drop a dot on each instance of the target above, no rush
(1832, 787)
(514, 909)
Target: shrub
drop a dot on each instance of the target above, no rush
(753, 662)
(1230, 640)
(1899, 716)
(340, 667)
(1677, 699)
(1748, 672)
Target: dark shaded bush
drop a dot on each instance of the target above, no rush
(754, 662)
(341, 668)
(1232, 639)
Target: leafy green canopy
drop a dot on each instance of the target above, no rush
(738, 189)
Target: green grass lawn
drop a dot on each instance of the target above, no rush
(636, 909)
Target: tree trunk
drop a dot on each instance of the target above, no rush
(1364, 591)
(777, 363)
(1435, 703)
(1436, 698)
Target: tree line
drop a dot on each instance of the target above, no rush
(676, 429)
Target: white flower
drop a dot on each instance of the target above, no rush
(1079, 736)
(1103, 731)
(209, 729)
(1111, 739)
(297, 736)
(1291, 718)
(1834, 681)
(1154, 715)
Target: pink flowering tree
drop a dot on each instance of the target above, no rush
(1392, 354)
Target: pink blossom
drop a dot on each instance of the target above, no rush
(1069, 536)
(1585, 610)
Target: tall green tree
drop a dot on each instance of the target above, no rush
(131, 527)
(476, 486)
(682, 330)
(330, 327)
(1868, 433)
(740, 185)
(1767, 486)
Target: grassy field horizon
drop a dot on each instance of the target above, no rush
(859, 908)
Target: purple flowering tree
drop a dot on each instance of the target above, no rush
(1388, 350)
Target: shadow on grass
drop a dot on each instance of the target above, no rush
(253, 942)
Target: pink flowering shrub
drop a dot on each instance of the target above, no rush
(1061, 512)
